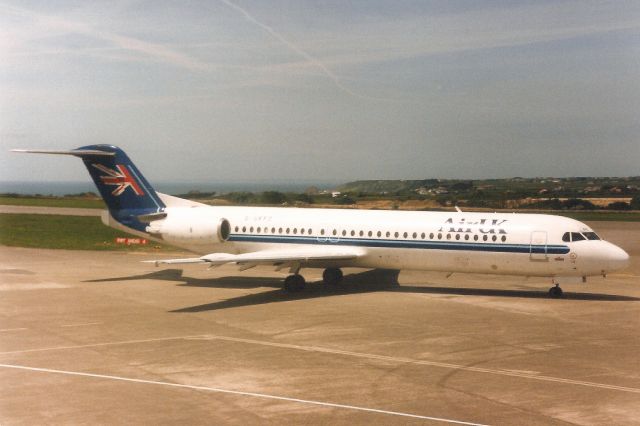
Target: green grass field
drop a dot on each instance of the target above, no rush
(64, 232)
(80, 203)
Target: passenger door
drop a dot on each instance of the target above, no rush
(538, 246)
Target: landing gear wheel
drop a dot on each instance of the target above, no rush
(294, 283)
(332, 276)
(555, 291)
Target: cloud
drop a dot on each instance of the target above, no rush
(309, 59)
(372, 41)
(54, 25)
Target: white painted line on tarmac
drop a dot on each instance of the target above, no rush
(95, 345)
(241, 393)
(510, 373)
(403, 360)
(80, 325)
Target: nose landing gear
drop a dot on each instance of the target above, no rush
(555, 291)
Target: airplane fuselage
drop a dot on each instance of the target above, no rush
(493, 243)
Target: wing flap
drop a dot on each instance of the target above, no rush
(267, 257)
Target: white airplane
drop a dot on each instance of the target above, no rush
(295, 238)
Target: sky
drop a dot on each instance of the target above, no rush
(248, 90)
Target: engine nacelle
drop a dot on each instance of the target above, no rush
(192, 225)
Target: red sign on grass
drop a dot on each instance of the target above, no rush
(130, 241)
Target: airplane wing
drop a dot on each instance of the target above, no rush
(277, 257)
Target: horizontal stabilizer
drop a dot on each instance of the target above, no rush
(76, 152)
(147, 218)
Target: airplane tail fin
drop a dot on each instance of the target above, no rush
(124, 189)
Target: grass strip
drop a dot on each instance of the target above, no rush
(80, 203)
(64, 232)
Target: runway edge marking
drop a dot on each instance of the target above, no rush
(236, 392)
(345, 353)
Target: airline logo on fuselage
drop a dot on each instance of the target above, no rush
(121, 178)
(484, 226)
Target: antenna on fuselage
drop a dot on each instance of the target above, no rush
(458, 209)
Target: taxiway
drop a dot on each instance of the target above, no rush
(100, 338)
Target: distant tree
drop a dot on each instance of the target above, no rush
(619, 205)
(462, 186)
(579, 204)
(240, 197)
(344, 200)
(303, 198)
(635, 203)
(273, 197)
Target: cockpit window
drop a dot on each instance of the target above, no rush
(591, 235)
(576, 236)
(566, 237)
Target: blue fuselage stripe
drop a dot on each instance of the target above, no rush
(381, 243)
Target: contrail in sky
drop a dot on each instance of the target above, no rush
(296, 49)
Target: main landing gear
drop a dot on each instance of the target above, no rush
(332, 276)
(296, 282)
(555, 291)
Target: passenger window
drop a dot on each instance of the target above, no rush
(396, 235)
(457, 236)
(251, 229)
(236, 229)
(591, 235)
(322, 231)
(344, 232)
(466, 237)
(405, 235)
(288, 230)
(475, 238)
(361, 233)
(484, 238)
(431, 236)
(379, 234)
(244, 229)
(259, 229)
(353, 233)
(566, 237)
(415, 235)
(370, 233)
(388, 234)
(310, 231)
(448, 236)
(494, 238)
(335, 232)
(439, 236)
(301, 231)
(504, 238)
(576, 236)
(422, 236)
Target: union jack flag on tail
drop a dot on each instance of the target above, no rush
(121, 178)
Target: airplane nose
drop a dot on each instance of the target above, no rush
(617, 258)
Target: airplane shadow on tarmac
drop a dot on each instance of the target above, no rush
(375, 280)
